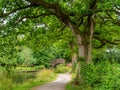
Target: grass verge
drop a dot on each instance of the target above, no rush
(42, 77)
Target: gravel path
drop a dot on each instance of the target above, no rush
(58, 84)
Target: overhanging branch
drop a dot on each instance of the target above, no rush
(107, 10)
(105, 41)
(33, 17)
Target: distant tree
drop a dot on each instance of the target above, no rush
(26, 57)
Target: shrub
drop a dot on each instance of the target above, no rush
(62, 68)
(102, 76)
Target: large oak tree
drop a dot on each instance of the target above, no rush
(87, 19)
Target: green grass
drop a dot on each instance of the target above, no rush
(18, 81)
(28, 85)
(69, 86)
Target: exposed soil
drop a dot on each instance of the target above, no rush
(58, 84)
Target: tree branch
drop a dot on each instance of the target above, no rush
(32, 17)
(107, 10)
(105, 41)
(53, 8)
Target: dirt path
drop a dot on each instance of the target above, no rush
(58, 84)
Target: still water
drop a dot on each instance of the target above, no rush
(20, 77)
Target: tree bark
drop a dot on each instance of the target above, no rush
(73, 56)
(84, 41)
(73, 52)
(88, 40)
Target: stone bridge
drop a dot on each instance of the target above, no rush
(55, 62)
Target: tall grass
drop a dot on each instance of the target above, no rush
(45, 75)
(5, 82)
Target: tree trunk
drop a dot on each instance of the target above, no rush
(74, 58)
(84, 40)
(88, 40)
(73, 55)
(87, 52)
(73, 52)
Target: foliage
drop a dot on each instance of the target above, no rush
(40, 23)
(61, 68)
(45, 55)
(34, 24)
(71, 86)
(25, 57)
(101, 76)
(62, 50)
(106, 54)
(8, 51)
(45, 21)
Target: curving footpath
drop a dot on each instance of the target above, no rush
(58, 84)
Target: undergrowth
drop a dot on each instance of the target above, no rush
(100, 76)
